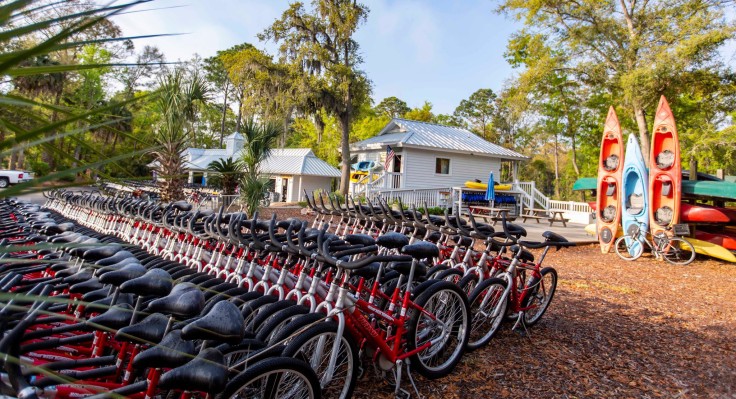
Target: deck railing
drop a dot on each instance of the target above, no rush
(433, 197)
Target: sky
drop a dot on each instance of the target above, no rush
(439, 51)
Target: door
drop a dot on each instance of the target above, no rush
(284, 189)
(396, 177)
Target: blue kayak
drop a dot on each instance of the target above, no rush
(635, 191)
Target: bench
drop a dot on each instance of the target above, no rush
(537, 218)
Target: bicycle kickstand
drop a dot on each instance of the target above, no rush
(400, 393)
(520, 322)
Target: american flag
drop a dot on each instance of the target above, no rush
(389, 157)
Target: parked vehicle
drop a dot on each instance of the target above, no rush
(8, 177)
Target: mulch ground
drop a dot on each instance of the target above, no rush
(643, 329)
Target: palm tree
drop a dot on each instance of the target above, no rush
(230, 173)
(259, 140)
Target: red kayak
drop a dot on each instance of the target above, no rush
(724, 240)
(610, 168)
(706, 214)
(665, 173)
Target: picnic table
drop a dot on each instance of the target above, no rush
(551, 215)
(491, 214)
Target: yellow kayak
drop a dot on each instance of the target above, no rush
(484, 186)
(712, 250)
(358, 176)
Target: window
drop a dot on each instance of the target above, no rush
(442, 166)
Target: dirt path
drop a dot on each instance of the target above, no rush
(615, 329)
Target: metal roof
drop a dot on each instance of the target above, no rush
(401, 132)
(282, 161)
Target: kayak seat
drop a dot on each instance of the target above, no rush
(611, 163)
(665, 159)
(635, 204)
(611, 189)
(663, 215)
(608, 213)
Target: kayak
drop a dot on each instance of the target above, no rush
(706, 214)
(690, 188)
(712, 250)
(665, 172)
(610, 167)
(724, 240)
(484, 186)
(635, 185)
(360, 176)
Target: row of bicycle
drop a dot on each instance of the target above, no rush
(303, 293)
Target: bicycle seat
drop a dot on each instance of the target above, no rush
(125, 273)
(421, 250)
(206, 373)
(148, 331)
(182, 206)
(115, 266)
(462, 240)
(65, 238)
(368, 271)
(551, 236)
(361, 239)
(86, 286)
(224, 323)
(185, 301)
(119, 256)
(58, 228)
(515, 230)
(405, 268)
(393, 240)
(172, 351)
(115, 318)
(525, 255)
(100, 293)
(78, 277)
(96, 254)
(104, 304)
(156, 282)
(433, 237)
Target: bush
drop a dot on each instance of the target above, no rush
(437, 210)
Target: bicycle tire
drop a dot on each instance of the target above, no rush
(469, 282)
(679, 251)
(547, 286)
(452, 275)
(628, 251)
(483, 325)
(273, 325)
(322, 337)
(444, 300)
(266, 379)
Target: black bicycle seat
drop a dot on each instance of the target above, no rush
(171, 352)
(405, 268)
(462, 240)
(525, 255)
(360, 239)
(551, 236)
(182, 206)
(206, 373)
(119, 256)
(116, 266)
(86, 286)
(433, 236)
(393, 240)
(421, 250)
(224, 323)
(125, 273)
(156, 282)
(148, 331)
(78, 277)
(115, 318)
(96, 254)
(97, 294)
(185, 301)
(368, 271)
(103, 304)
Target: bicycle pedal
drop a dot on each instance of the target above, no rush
(402, 394)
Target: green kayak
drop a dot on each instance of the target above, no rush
(700, 188)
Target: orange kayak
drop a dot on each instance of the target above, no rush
(665, 171)
(706, 214)
(610, 167)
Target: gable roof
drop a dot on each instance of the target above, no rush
(405, 133)
(282, 161)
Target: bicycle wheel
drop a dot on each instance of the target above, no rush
(469, 282)
(272, 378)
(628, 249)
(538, 300)
(447, 325)
(486, 299)
(679, 251)
(316, 346)
(452, 275)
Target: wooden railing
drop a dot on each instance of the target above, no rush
(433, 197)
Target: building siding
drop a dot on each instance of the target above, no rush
(310, 184)
(419, 170)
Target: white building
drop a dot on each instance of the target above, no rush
(293, 170)
(430, 155)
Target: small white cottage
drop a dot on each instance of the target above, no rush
(429, 155)
(292, 170)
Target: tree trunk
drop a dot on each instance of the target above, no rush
(641, 121)
(13, 159)
(224, 112)
(319, 125)
(557, 170)
(345, 143)
(574, 153)
(238, 123)
(21, 160)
